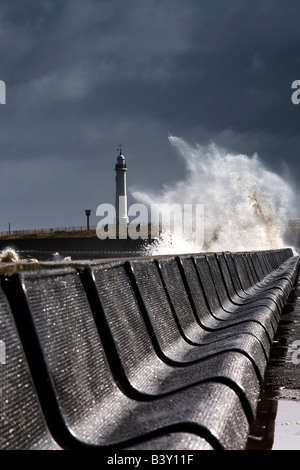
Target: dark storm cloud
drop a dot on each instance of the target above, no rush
(83, 77)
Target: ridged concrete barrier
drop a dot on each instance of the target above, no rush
(166, 353)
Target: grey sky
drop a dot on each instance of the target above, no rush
(85, 76)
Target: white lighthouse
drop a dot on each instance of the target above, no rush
(121, 193)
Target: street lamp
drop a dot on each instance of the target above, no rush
(87, 213)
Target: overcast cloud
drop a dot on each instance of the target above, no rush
(84, 76)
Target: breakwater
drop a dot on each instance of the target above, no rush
(78, 248)
(147, 353)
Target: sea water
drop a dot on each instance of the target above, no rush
(246, 205)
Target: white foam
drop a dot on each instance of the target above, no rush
(246, 205)
(9, 255)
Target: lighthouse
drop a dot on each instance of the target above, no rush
(121, 193)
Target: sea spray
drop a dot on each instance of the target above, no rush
(9, 255)
(246, 205)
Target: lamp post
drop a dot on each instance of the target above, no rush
(87, 213)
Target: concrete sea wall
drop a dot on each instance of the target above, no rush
(78, 247)
(141, 353)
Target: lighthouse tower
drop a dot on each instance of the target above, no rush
(121, 194)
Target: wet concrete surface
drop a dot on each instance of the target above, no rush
(277, 426)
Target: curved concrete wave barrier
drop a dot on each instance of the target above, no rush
(165, 353)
